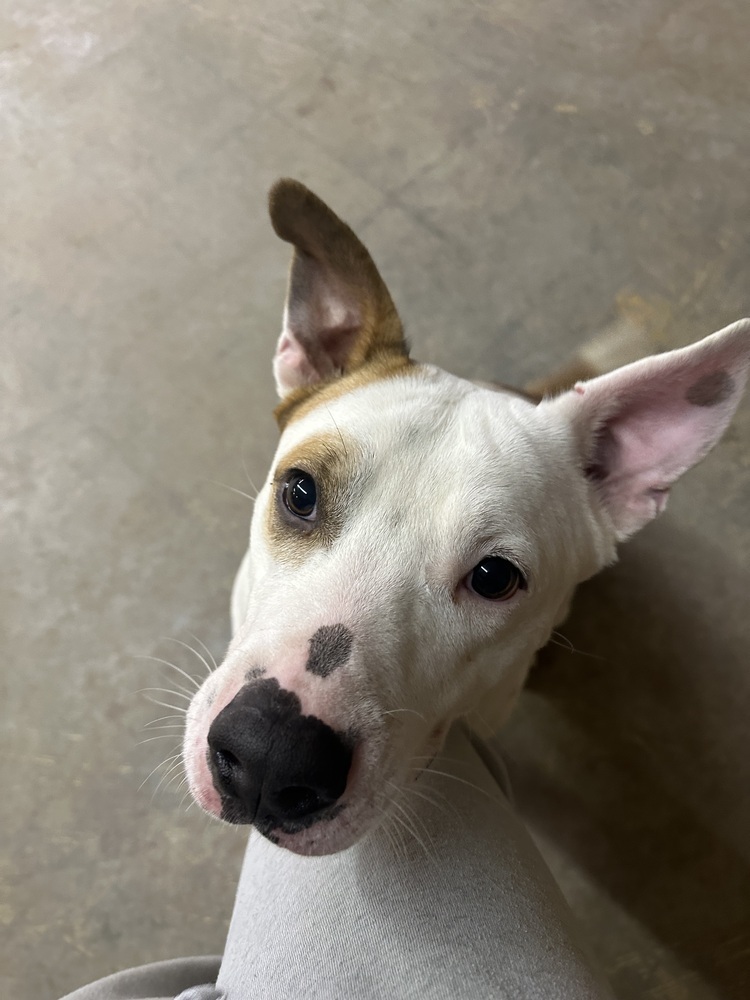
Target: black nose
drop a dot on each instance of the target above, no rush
(272, 765)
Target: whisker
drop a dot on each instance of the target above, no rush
(565, 644)
(411, 819)
(249, 478)
(412, 711)
(164, 736)
(171, 771)
(233, 489)
(410, 828)
(416, 818)
(162, 719)
(158, 659)
(170, 726)
(400, 838)
(410, 790)
(185, 695)
(463, 781)
(161, 764)
(186, 795)
(343, 443)
(155, 701)
(480, 716)
(206, 650)
(189, 806)
(395, 838)
(568, 645)
(387, 833)
(195, 653)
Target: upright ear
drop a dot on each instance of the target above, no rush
(640, 427)
(338, 312)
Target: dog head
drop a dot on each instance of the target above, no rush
(416, 542)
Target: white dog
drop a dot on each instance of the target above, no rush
(417, 540)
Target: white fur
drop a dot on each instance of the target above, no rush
(448, 473)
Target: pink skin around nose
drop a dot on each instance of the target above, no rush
(199, 774)
(200, 779)
(362, 792)
(291, 676)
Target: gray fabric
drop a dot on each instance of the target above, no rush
(158, 981)
(206, 992)
(462, 907)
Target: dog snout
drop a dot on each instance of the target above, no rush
(273, 766)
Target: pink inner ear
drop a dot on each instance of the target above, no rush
(291, 364)
(642, 451)
(322, 320)
(301, 360)
(658, 438)
(654, 419)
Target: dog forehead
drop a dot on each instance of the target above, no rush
(426, 415)
(433, 441)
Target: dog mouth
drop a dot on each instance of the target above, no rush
(272, 827)
(307, 827)
(301, 783)
(296, 818)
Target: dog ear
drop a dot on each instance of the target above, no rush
(640, 427)
(338, 314)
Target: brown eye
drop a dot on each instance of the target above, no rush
(495, 579)
(300, 494)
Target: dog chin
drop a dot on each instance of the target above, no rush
(330, 834)
(317, 840)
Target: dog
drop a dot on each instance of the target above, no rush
(416, 542)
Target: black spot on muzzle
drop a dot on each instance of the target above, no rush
(272, 765)
(330, 648)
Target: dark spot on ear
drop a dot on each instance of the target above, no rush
(254, 673)
(329, 648)
(711, 389)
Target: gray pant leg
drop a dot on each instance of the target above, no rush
(158, 981)
(463, 908)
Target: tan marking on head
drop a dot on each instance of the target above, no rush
(333, 460)
(382, 365)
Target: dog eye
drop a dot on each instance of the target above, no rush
(495, 579)
(300, 494)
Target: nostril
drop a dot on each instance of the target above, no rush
(296, 801)
(227, 767)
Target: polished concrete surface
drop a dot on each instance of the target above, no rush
(524, 174)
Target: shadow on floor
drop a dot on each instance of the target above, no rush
(642, 779)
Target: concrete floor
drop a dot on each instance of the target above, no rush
(523, 173)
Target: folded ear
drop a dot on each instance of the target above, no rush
(640, 427)
(338, 312)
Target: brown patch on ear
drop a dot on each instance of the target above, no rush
(300, 402)
(332, 461)
(331, 263)
(711, 389)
